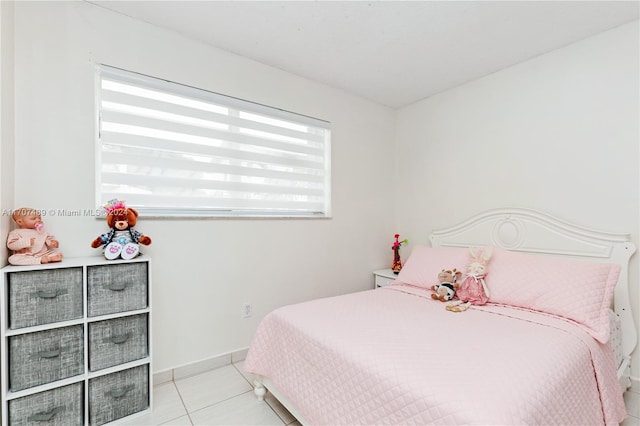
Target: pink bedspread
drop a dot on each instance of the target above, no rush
(387, 356)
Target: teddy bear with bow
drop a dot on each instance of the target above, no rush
(122, 240)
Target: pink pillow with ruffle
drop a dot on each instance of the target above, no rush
(572, 289)
(424, 263)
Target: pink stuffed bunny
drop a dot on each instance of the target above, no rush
(473, 290)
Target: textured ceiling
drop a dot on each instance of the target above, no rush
(391, 52)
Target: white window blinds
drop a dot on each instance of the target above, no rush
(174, 150)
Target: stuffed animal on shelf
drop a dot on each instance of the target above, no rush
(122, 240)
(447, 285)
(473, 290)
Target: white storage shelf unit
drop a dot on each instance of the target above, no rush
(76, 341)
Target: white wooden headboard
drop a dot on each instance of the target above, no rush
(535, 232)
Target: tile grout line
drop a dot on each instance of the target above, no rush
(182, 401)
(252, 391)
(216, 403)
(241, 374)
(221, 401)
(284, 422)
(228, 399)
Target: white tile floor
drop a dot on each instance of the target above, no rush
(632, 401)
(224, 396)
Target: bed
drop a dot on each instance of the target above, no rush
(552, 346)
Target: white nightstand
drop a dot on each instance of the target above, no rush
(383, 277)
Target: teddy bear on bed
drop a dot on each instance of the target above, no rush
(447, 285)
(122, 240)
(473, 290)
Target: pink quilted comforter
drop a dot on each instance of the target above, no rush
(394, 356)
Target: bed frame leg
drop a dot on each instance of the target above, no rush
(258, 389)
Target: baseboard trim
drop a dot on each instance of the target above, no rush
(198, 367)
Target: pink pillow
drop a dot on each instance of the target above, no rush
(579, 291)
(423, 265)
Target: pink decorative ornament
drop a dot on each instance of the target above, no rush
(114, 204)
(397, 262)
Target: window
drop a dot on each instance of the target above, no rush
(174, 150)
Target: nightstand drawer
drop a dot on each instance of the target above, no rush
(383, 281)
(118, 395)
(117, 341)
(117, 288)
(45, 356)
(58, 407)
(43, 297)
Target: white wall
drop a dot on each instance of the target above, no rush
(6, 121)
(558, 133)
(203, 269)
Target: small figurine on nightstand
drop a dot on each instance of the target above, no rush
(397, 263)
(31, 243)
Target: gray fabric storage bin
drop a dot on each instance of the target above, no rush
(117, 341)
(117, 395)
(45, 356)
(43, 297)
(117, 288)
(57, 407)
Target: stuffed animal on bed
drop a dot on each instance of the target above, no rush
(122, 241)
(473, 290)
(445, 290)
